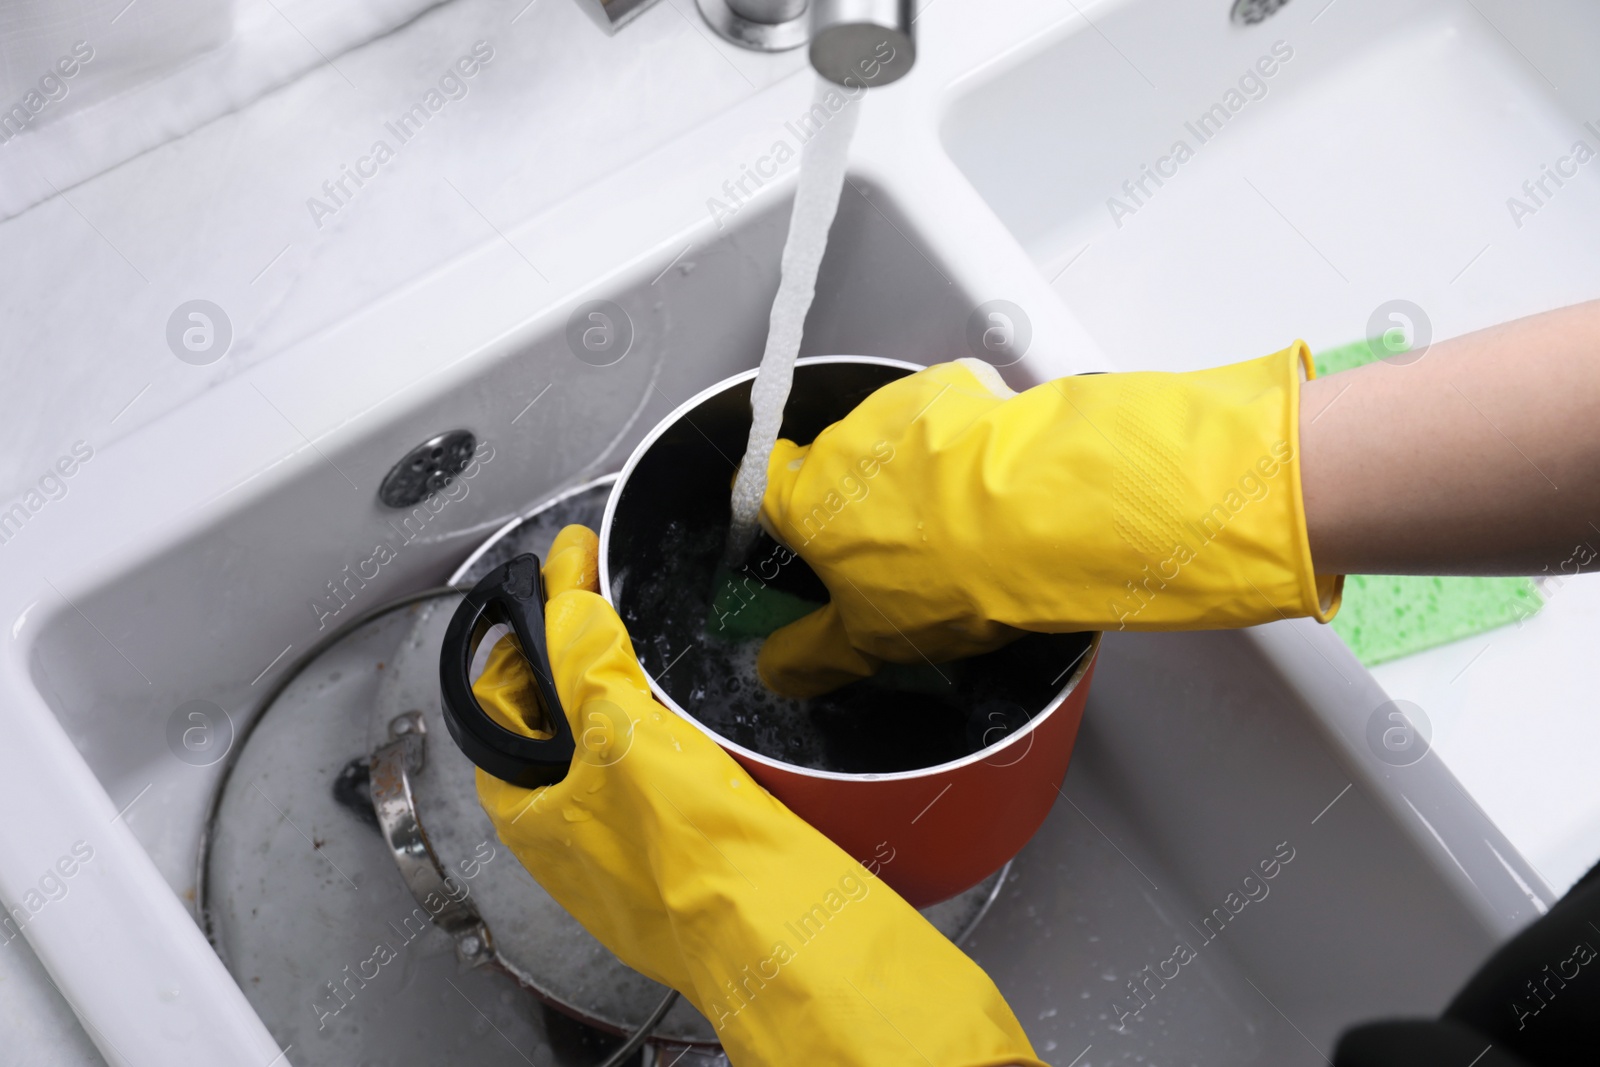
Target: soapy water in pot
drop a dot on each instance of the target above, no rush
(816, 200)
(698, 628)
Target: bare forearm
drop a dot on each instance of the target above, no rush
(1482, 457)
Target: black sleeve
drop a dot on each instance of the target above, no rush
(1420, 1043)
(1540, 993)
(1535, 1003)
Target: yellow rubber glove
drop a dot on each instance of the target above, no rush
(676, 860)
(946, 513)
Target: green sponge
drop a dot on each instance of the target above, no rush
(745, 608)
(1355, 354)
(1388, 616)
(1384, 617)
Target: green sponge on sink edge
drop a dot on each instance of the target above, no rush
(1384, 617)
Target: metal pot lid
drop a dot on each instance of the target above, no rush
(306, 908)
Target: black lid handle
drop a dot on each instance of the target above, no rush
(511, 594)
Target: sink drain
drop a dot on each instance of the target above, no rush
(428, 468)
(1250, 12)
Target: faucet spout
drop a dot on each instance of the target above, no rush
(866, 42)
(853, 42)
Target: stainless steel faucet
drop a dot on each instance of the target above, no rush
(853, 42)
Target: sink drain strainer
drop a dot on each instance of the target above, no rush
(1250, 12)
(428, 468)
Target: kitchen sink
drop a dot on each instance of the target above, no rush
(1234, 872)
(1381, 156)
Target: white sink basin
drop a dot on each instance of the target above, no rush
(186, 561)
(1376, 162)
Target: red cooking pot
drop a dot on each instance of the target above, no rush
(933, 780)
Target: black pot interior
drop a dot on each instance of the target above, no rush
(666, 541)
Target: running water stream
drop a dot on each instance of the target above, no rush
(816, 199)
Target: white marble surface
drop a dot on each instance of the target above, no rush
(137, 75)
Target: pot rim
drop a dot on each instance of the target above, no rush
(1079, 670)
